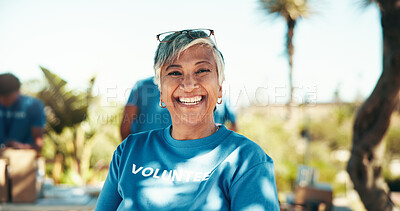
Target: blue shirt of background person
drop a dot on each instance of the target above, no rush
(22, 118)
(142, 111)
(224, 114)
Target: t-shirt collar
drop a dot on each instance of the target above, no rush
(196, 143)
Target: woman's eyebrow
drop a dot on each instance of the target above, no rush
(179, 66)
(199, 62)
(173, 65)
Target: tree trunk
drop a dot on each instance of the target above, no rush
(290, 51)
(373, 118)
(291, 23)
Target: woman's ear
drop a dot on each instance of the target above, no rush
(220, 92)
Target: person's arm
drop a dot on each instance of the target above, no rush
(131, 110)
(255, 189)
(129, 115)
(17, 145)
(37, 134)
(37, 118)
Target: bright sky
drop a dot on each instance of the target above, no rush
(338, 46)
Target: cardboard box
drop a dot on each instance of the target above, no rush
(318, 194)
(22, 172)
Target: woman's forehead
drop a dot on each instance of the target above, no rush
(196, 52)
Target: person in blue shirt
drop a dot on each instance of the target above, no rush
(193, 164)
(22, 118)
(142, 111)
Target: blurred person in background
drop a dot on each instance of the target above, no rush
(142, 111)
(22, 118)
(192, 164)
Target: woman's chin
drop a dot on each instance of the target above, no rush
(192, 119)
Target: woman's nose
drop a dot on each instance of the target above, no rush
(189, 84)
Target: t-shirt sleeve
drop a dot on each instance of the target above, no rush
(255, 189)
(134, 96)
(109, 198)
(37, 114)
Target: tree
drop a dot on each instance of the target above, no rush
(67, 107)
(291, 11)
(373, 117)
(66, 110)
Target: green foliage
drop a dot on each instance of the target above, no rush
(330, 129)
(392, 152)
(278, 141)
(392, 138)
(344, 112)
(73, 130)
(66, 108)
(335, 127)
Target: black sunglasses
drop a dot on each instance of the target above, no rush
(192, 33)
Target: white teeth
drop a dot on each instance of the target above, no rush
(191, 100)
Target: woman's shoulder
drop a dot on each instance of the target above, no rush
(141, 137)
(248, 148)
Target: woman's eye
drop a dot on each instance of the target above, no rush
(174, 73)
(203, 70)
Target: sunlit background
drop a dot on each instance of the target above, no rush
(337, 62)
(338, 47)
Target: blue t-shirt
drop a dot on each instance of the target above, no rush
(223, 113)
(146, 96)
(17, 120)
(224, 171)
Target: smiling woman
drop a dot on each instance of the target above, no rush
(190, 89)
(193, 164)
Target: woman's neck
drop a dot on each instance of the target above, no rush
(193, 131)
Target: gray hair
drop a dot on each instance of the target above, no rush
(167, 52)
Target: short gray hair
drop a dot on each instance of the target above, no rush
(167, 52)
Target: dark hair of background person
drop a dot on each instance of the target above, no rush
(9, 84)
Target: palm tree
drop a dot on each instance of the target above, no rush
(291, 11)
(66, 109)
(373, 117)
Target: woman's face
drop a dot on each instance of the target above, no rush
(189, 86)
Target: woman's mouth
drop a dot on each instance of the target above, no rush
(190, 100)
